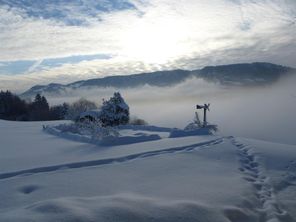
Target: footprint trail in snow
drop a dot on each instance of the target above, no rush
(254, 173)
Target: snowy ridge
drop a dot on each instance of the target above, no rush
(146, 128)
(106, 141)
(99, 162)
(254, 173)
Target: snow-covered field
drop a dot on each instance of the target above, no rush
(44, 177)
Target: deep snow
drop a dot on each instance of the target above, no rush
(44, 177)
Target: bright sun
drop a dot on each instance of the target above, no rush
(153, 43)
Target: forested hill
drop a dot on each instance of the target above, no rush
(247, 74)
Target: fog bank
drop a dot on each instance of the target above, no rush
(266, 113)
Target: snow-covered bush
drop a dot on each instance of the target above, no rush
(137, 121)
(99, 133)
(92, 129)
(71, 128)
(193, 126)
(114, 111)
(196, 125)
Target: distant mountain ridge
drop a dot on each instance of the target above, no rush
(245, 74)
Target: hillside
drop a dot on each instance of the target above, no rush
(253, 74)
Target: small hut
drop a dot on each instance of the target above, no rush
(90, 116)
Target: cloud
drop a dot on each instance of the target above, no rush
(34, 66)
(72, 13)
(69, 72)
(149, 35)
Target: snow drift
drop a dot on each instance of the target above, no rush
(194, 178)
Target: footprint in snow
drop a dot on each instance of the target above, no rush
(27, 189)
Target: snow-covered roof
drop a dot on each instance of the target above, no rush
(93, 113)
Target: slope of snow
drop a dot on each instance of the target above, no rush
(195, 178)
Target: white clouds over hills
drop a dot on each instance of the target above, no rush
(143, 36)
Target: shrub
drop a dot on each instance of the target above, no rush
(137, 121)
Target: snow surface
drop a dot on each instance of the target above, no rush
(45, 177)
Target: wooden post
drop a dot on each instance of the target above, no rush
(205, 117)
(205, 107)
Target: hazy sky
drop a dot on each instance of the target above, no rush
(65, 40)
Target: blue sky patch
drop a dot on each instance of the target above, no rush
(14, 68)
(24, 66)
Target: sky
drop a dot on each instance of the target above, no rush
(63, 41)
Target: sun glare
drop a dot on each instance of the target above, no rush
(153, 43)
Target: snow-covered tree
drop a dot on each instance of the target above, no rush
(78, 107)
(114, 111)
